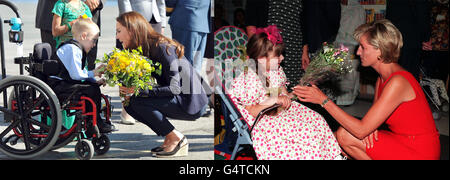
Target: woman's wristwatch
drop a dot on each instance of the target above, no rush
(324, 102)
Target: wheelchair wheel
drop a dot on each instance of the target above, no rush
(27, 135)
(84, 149)
(101, 144)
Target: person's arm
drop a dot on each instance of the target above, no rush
(283, 100)
(396, 91)
(162, 12)
(170, 75)
(305, 57)
(71, 57)
(57, 28)
(254, 110)
(250, 30)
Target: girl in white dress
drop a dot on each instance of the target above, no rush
(294, 131)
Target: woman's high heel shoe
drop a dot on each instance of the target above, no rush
(157, 149)
(180, 150)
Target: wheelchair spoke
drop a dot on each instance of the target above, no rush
(8, 111)
(40, 124)
(37, 104)
(26, 134)
(9, 128)
(19, 99)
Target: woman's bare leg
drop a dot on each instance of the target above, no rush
(351, 145)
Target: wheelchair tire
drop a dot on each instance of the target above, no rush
(38, 137)
(84, 150)
(101, 144)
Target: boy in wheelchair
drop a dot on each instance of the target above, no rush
(73, 74)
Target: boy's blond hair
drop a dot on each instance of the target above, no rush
(85, 25)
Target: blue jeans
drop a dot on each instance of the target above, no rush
(154, 111)
(194, 46)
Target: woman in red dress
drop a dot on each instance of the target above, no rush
(399, 102)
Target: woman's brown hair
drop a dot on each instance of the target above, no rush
(142, 34)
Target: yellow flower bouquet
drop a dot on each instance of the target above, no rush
(130, 69)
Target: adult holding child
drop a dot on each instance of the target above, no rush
(399, 102)
(179, 93)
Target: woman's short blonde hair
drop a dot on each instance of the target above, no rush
(382, 35)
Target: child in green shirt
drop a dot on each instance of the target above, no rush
(66, 13)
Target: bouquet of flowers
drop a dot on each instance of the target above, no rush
(130, 69)
(327, 63)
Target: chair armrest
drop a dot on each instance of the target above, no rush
(262, 113)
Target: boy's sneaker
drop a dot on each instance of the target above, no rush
(105, 127)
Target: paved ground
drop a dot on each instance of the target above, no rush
(131, 141)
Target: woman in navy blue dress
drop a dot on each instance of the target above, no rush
(179, 93)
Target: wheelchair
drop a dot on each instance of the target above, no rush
(34, 115)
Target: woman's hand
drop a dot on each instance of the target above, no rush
(368, 141)
(127, 91)
(92, 4)
(426, 46)
(309, 94)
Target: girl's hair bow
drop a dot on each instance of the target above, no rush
(273, 34)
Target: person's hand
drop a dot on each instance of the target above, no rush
(92, 4)
(74, 21)
(305, 58)
(100, 70)
(368, 141)
(426, 46)
(284, 101)
(126, 91)
(102, 82)
(309, 94)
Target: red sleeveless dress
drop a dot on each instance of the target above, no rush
(413, 133)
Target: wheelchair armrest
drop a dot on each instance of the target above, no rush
(262, 113)
(47, 67)
(75, 95)
(23, 60)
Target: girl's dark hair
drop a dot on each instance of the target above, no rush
(259, 46)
